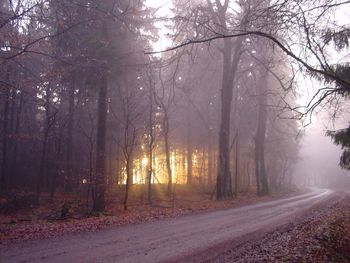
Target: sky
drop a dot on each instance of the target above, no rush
(163, 9)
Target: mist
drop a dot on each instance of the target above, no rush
(319, 159)
(89, 106)
(121, 112)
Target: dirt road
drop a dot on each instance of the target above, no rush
(166, 240)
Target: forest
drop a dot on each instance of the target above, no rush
(92, 105)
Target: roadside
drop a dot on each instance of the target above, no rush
(45, 221)
(172, 238)
(321, 236)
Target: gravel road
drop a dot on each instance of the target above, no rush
(166, 240)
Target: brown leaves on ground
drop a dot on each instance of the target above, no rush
(45, 221)
(323, 236)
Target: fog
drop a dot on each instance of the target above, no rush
(114, 100)
(125, 115)
(319, 160)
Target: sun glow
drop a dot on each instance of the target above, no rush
(144, 161)
(178, 166)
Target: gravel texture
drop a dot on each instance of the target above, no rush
(321, 236)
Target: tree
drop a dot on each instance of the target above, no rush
(70, 54)
(341, 137)
(288, 17)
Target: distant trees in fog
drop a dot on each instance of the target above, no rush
(83, 106)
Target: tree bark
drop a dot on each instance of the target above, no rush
(128, 182)
(100, 176)
(17, 132)
(224, 180)
(189, 145)
(70, 125)
(237, 165)
(167, 150)
(210, 148)
(150, 146)
(43, 158)
(168, 163)
(260, 170)
(5, 136)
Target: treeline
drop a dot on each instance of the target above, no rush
(85, 106)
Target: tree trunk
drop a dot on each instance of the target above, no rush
(167, 150)
(57, 166)
(237, 167)
(224, 180)
(260, 170)
(168, 163)
(100, 176)
(42, 163)
(43, 158)
(17, 132)
(189, 145)
(210, 148)
(131, 179)
(5, 136)
(224, 187)
(70, 125)
(128, 182)
(149, 177)
(210, 165)
(150, 146)
(117, 165)
(11, 139)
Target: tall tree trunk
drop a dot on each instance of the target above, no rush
(224, 180)
(210, 164)
(167, 150)
(131, 179)
(129, 144)
(3, 186)
(260, 170)
(237, 165)
(70, 125)
(17, 132)
(43, 158)
(150, 146)
(224, 186)
(230, 64)
(100, 176)
(129, 176)
(57, 165)
(117, 165)
(168, 163)
(11, 139)
(91, 187)
(210, 148)
(189, 145)
(149, 176)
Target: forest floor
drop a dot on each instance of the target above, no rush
(321, 236)
(202, 236)
(23, 220)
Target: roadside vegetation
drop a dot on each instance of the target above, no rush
(22, 219)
